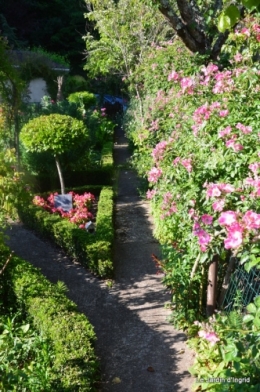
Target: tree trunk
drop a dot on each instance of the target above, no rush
(212, 286)
(60, 80)
(62, 186)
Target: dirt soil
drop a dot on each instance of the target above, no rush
(138, 348)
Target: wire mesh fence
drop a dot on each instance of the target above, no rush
(244, 284)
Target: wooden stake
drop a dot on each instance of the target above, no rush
(212, 286)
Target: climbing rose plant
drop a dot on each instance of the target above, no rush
(197, 143)
(80, 213)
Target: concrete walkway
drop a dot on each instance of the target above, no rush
(138, 349)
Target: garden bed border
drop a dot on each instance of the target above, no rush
(92, 250)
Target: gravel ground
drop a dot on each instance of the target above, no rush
(139, 350)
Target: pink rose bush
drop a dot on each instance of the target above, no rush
(201, 143)
(80, 214)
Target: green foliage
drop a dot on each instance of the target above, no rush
(228, 348)
(60, 357)
(83, 98)
(231, 14)
(126, 29)
(54, 57)
(12, 186)
(56, 26)
(25, 355)
(75, 83)
(56, 133)
(94, 250)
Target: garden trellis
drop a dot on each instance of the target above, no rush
(243, 284)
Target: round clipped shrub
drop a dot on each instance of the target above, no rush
(56, 133)
(83, 97)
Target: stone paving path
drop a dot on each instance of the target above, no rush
(138, 349)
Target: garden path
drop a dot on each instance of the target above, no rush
(139, 350)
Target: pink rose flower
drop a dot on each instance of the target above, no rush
(207, 219)
(251, 220)
(235, 236)
(227, 218)
(218, 205)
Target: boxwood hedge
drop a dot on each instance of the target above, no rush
(74, 363)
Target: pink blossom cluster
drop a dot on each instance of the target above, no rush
(244, 128)
(238, 57)
(231, 143)
(150, 194)
(211, 337)
(204, 112)
(187, 163)
(207, 73)
(204, 237)
(159, 149)
(39, 201)
(154, 174)
(253, 183)
(219, 189)
(187, 85)
(154, 125)
(238, 227)
(78, 215)
(219, 192)
(224, 82)
(168, 205)
(256, 31)
(173, 75)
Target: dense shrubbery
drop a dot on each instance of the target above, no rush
(228, 349)
(48, 344)
(196, 132)
(199, 149)
(94, 250)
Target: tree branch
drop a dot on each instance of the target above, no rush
(218, 45)
(190, 27)
(6, 263)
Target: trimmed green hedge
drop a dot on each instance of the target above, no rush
(100, 174)
(75, 366)
(93, 250)
(107, 156)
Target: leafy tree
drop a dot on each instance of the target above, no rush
(56, 133)
(204, 25)
(126, 30)
(11, 87)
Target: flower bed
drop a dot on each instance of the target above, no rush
(80, 214)
(93, 250)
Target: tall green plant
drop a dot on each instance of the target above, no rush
(56, 133)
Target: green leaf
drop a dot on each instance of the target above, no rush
(257, 322)
(232, 12)
(252, 264)
(250, 4)
(224, 23)
(255, 250)
(247, 318)
(257, 301)
(25, 328)
(251, 308)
